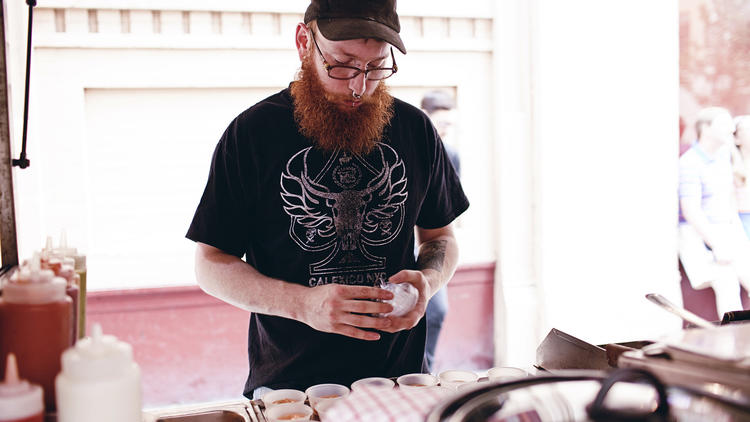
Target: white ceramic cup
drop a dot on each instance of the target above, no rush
(325, 392)
(410, 381)
(373, 382)
(289, 412)
(506, 373)
(283, 396)
(453, 378)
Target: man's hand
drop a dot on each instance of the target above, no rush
(419, 280)
(345, 310)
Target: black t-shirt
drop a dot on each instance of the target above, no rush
(311, 217)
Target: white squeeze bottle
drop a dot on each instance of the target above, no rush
(20, 401)
(99, 381)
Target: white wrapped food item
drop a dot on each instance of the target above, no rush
(404, 298)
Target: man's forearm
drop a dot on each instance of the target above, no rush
(234, 281)
(438, 258)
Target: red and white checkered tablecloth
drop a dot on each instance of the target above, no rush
(386, 405)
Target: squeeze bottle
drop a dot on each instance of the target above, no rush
(36, 321)
(99, 381)
(20, 401)
(80, 268)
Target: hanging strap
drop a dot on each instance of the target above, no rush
(22, 161)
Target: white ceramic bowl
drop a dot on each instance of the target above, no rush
(453, 378)
(283, 396)
(506, 373)
(289, 412)
(373, 382)
(417, 381)
(325, 392)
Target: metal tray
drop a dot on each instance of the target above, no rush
(234, 411)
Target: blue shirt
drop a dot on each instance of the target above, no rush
(709, 178)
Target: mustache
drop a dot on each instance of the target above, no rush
(337, 98)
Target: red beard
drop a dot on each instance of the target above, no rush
(319, 117)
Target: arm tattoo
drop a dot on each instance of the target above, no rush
(432, 255)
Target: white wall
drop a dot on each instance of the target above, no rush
(608, 164)
(601, 140)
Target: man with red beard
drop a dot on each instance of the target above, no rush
(320, 187)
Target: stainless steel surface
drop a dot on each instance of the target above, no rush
(213, 416)
(672, 372)
(567, 395)
(680, 312)
(255, 409)
(233, 411)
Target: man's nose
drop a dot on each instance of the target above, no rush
(358, 84)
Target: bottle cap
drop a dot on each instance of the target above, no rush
(36, 262)
(48, 248)
(71, 252)
(98, 357)
(40, 288)
(18, 398)
(64, 249)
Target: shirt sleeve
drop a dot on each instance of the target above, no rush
(224, 211)
(690, 180)
(445, 199)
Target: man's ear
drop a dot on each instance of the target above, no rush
(302, 40)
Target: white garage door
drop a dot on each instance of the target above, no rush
(149, 152)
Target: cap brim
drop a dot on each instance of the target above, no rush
(340, 29)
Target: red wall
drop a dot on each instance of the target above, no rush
(191, 347)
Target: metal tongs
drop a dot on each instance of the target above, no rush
(680, 312)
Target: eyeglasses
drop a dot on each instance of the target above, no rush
(343, 72)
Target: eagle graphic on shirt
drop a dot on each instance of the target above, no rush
(345, 204)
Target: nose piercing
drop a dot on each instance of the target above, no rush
(356, 96)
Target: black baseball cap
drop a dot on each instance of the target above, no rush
(340, 20)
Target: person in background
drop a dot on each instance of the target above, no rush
(742, 169)
(321, 188)
(683, 145)
(713, 247)
(440, 107)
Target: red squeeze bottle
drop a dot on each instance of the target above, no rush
(36, 323)
(20, 401)
(73, 290)
(53, 260)
(55, 263)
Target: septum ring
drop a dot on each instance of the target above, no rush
(356, 96)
